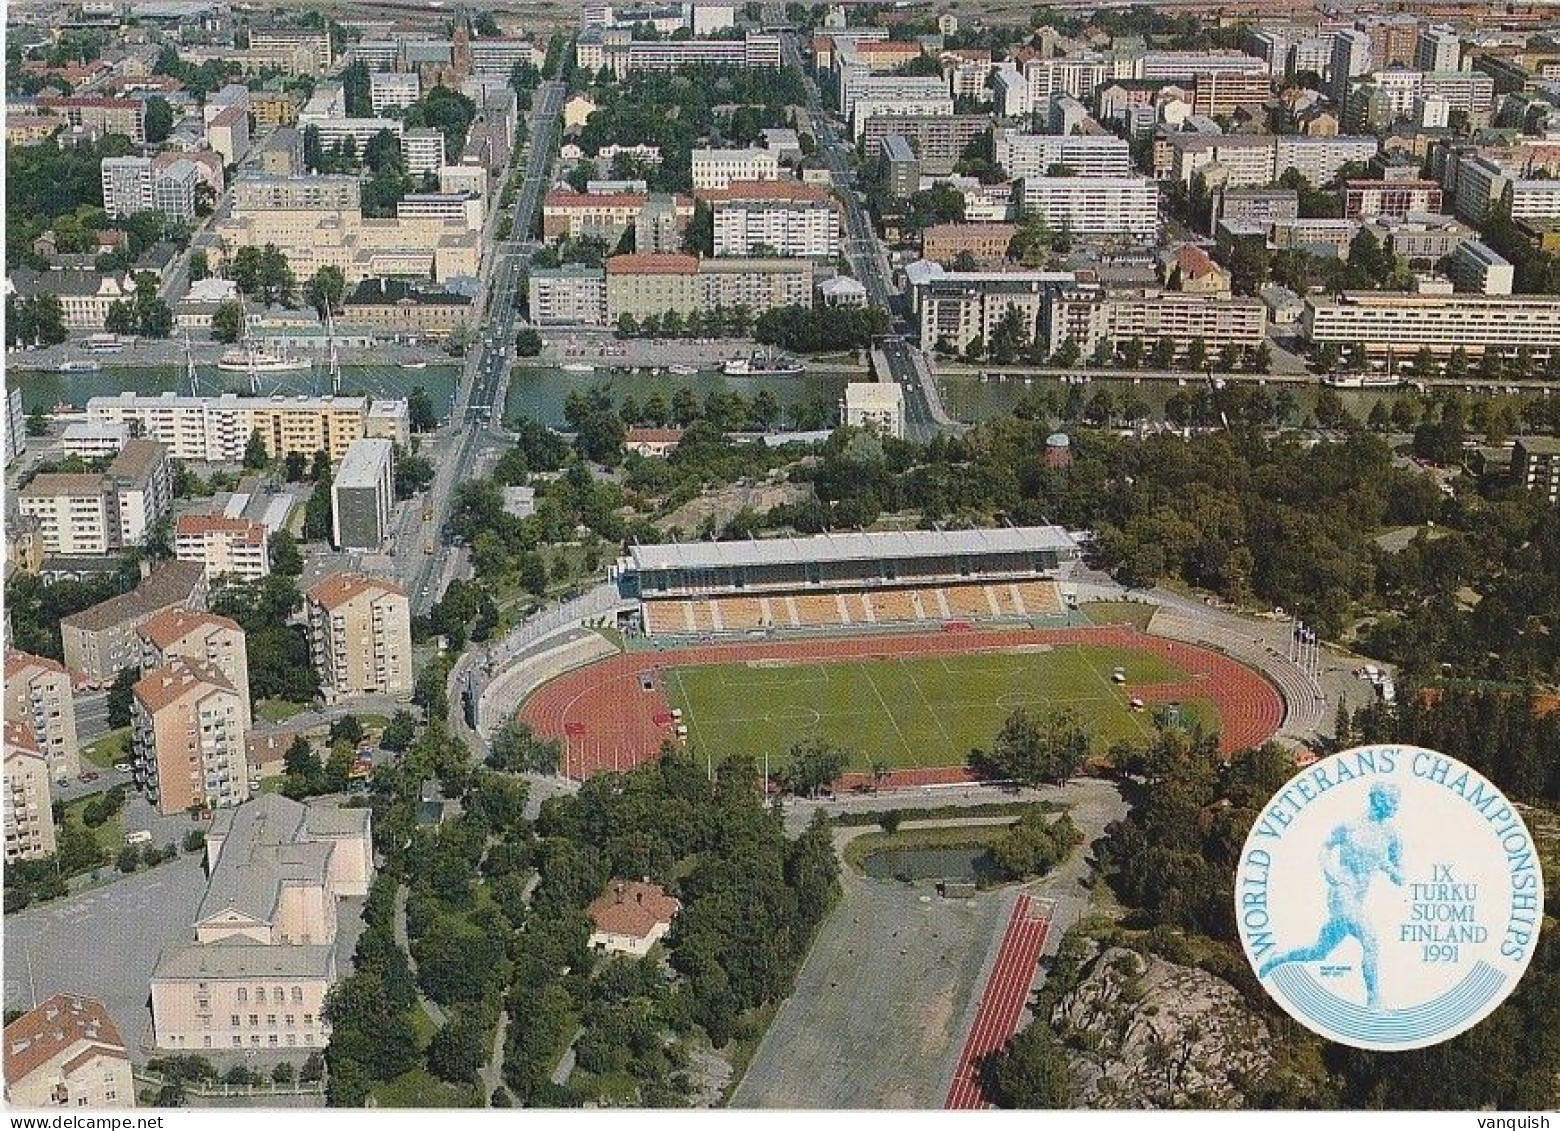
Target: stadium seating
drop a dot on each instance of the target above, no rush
(894, 605)
(968, 601)
(739, 614)
(1040, 598)
(816, 610)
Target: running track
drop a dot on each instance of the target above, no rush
(607, 721)
(1002, 1005)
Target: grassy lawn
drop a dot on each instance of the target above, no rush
(279, 710)
(421, 1089)
(110, 834)
(112, 747)
(948, 836)
(1134, 613)
(912, 712)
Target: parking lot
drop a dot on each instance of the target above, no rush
(104, 943)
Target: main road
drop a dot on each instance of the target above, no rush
(906, 366)
(486, 375)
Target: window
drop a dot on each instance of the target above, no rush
(270, 1020)
(278, 995)
(297, 993)
(233, 1021)
(291, 1020)
(243, 994)
(308, 1019)
(254, 1021)
(238, 1042)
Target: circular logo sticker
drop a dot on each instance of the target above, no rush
(1389, 897)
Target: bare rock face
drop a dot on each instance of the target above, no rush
(1143, 1032)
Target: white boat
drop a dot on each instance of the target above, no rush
(762, 363)
(415, 365)
(578, 367)
(256, 359)
(681, 370)
(79, 367)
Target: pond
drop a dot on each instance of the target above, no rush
(954, 862)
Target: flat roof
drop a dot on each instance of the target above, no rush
(361, 465)
(850, 547)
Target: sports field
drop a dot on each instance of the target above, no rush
(913, 711)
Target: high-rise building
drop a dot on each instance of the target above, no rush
(1438, 48)
(360, 637)
(39, 693)
(189, 725)
(235, 547)
(362, 496)
(1095, 206)
(399, 89)
(101, 641)
(27, 800)
(198, 636)
(88, 513)
(1535, 462)
(788, 219)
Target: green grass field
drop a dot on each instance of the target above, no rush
(916, 711)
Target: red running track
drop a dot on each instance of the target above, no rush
(1002, 1005)
(607, 721)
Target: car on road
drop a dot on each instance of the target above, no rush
(88, 776)
(122, 767)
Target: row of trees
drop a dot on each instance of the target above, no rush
(719, 322)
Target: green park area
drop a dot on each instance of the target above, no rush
(918, 711)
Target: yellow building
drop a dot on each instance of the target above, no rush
(39, 693)
(360, 637)
(28, 802)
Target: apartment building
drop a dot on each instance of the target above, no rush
(717, 168)
(1388, 322)
(1438, 48)
(986, 243)
(497, 55)
(189, 725)
(87, 513)
(755, 51)
(897, 98)
(1479, 269)
(1095, 206)
(360, 637)
(260, 191)
(570, 295)
(1011, 93)
(1394, 198)
(1036, 155)
(1255, 206)
(424, 149)
(1535, 462)
(938, 140)
(406, 308)
(99, 116)
(261, 963)
(1422, 238)
(1481, 181)
(27, 800)
(101, 641)
(216, 429)
(1185, 66)
(200, 637)
(397, 89)
(93, 439)
(362, 495)
(235, 547)
(138, 184)
(1091, 316)
(878, 405)
(607, 216)
(67, 1053)
(39, 694)
(463, 207)
(1253, 160)
(1078, 75)
(956, 307)
(789, 219)
(287, 40)
(651, 285)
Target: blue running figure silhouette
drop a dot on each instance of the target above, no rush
(1353, 854)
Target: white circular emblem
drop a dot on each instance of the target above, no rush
(1389, 897)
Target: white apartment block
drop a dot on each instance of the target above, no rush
(1093, 315)
(568, 295)
(135, 184)
(1095, 206)
(1480, 182)
(956, 307)
(878, 405)
(399, 89)
(26, 798)
(462, 207)
(1438, 48)
(1396, 323)
(1479, 269)
(1077, 75)
(234, 547)
(40, 695)
(717, 168)
(897, 97)
(1183, 66)
(87, 513)
(216, 429)
(1034, 155)
(424, 149)
(792, 220)
(1012, 93)
(1321, 159)
(360, 637)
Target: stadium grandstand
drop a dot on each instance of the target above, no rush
(852, 579)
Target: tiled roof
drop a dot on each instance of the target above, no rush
(41, 1034)
(20, 740)
(170, 584)
(633, 908)
(340, 588)
(766, 190)
(168, 684)
(653, 264)
(193, 524)
(170, 626)
(16, 662)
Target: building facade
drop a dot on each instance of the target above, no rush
(27, 799)
(201, 637)
(362, 496)
(39, 693)
(189, 726)
(67, 1053)
(360, 637)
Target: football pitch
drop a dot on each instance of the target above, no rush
(914, 711)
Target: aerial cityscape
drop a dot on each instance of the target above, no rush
(772, 556)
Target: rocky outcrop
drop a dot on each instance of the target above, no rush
(1143, 1032)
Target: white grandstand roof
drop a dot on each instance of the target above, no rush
(851, 547)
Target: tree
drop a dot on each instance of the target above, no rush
(346, 729)
(282, 548)
(399, 732)
(458, 1050)
(255, 455)
(517, 749)
(1031, 1071)
(325, 289)
(528, 343)
(159, 119)
(419, 407)
(227, 321)
(120, 698)
(812, 765)
(1035, 751)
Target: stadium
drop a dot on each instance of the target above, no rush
(905, 649)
